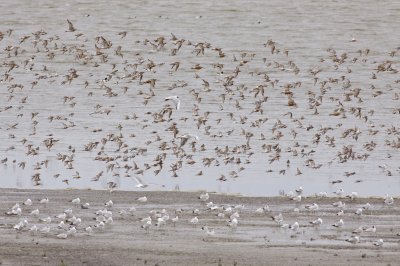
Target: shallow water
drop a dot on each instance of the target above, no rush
(304, 28)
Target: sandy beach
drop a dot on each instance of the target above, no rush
(257, 240)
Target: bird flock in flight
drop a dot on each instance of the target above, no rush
(170, 105)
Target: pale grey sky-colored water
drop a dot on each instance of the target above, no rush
(305, 28)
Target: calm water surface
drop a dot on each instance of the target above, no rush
(306, 29)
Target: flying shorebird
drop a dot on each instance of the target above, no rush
(184, 138)
(71, 27)
(141, 184)
(175, 99)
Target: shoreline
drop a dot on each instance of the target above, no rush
(233, 194)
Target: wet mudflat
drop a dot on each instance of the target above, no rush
(257, 239)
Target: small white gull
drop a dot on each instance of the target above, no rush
(175, 99)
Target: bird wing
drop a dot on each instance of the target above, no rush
(183, 140)
(177, 103)
(70, 26)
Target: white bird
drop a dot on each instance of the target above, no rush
(100, 218)
(161, 221)
(321, 195)
(228, 210)
(299, 190)
(75, 221)
(175, 99)
(339, 204)
(263, 210)
(221, 215)
(35, 213)
(209, 232)
(109, 204)
(61, 225)
(340, 223)
(184, 138)
(88, 230)
(295, 226)
(44, 201)
(371, 229)
(100, 225)
(340, 213)
(239, 207)
(179, 211)
(367, 206)
(194, 221)
(290, 195)
(46, 220)
(61, 216)
(204, 197)
(359, 230)
(378, 243)
(33, 229)
(45, 229)
(210, 205)
(359, 211)
(234, 215)
(233, 223)
(353, 195)
(353, 239)
(107, 213)
(140, 183)
(312, 207)
(62, 236)
(339, 192)
(175, 220)
(123, 213)
(147, 225)
(278, 218)
(285, 226)
(388, 200)
(85, 206)
(142, 199)
(72, 231)
(19, 226)
(16, 211)
(165, 217)
(132, 210)
(260, 211)
(76, 201)
(316, 222)
(109, 220)
(146, 219)
(28, 202)
(296, 198)
(68, 212)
